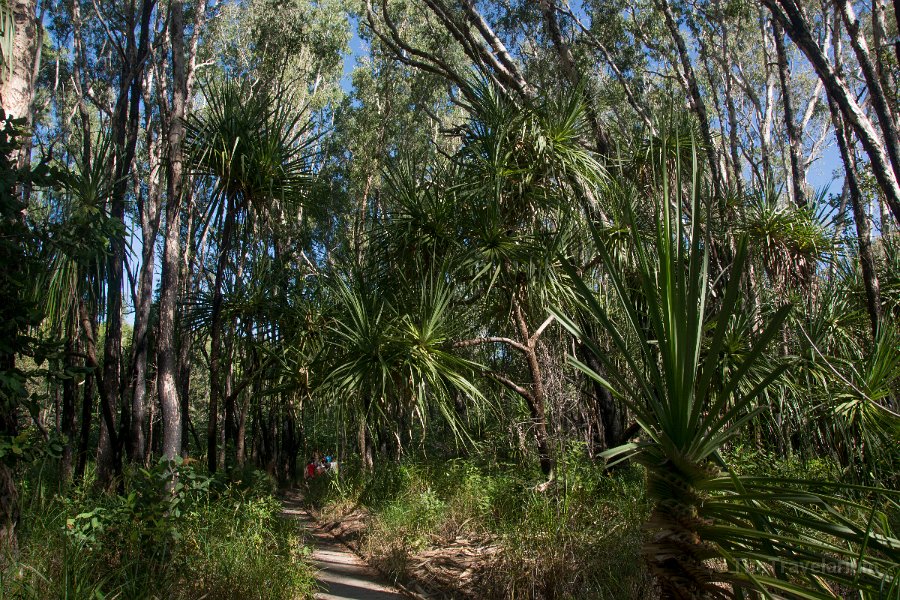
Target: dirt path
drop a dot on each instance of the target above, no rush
(342, 575)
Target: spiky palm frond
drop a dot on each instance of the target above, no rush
(392, 352)
(792, 240)
(79, 237)
(251, 146)
(760, 530)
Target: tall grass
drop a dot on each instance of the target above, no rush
(215, 539)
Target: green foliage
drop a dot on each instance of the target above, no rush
(209, 537)
(774, 535)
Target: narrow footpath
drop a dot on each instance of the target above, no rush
(342, 575)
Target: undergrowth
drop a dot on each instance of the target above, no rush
(580, 538)
(210, 537)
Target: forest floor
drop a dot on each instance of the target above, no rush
(342, 575)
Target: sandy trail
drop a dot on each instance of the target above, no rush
(342, 574)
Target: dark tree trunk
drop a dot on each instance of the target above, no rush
(215, 355)
(89, 327)
(610, 415)
(67, 422)
(125, 130)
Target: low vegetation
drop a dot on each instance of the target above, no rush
(211, 537)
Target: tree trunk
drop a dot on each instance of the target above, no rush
(536, 398)
(696, 98)
(794, 141)
(215, 354)
(166, 358)
(149, 209)
(863, 231)
(89, 329)
(570, 70)
(879, 99)
(796, 25)
(67, 423)
(17, 91)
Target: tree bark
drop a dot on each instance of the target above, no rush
(879, 99)
(863, 231)
(67, 423)
(89, 332)
(149, 209)
(166, 360)
(696, 98)
(794, 141)
(17, 91)
(536, 399)
(570, 70)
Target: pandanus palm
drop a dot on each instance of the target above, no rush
(390, 357)
(256, 153)
(713, 533)
(72, 288)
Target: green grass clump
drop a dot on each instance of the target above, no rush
(211, 538)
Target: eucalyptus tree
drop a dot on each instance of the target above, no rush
(882, 141)
(256, 153)
(765, 532)
(21, 60)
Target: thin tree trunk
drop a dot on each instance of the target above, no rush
(863, 231)
(89, 329)
(794, 141)
(570, 70)
(696, 98)
(67, 423)
(796, 25)
(879, 99)
(150, 213)
(215, 354)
